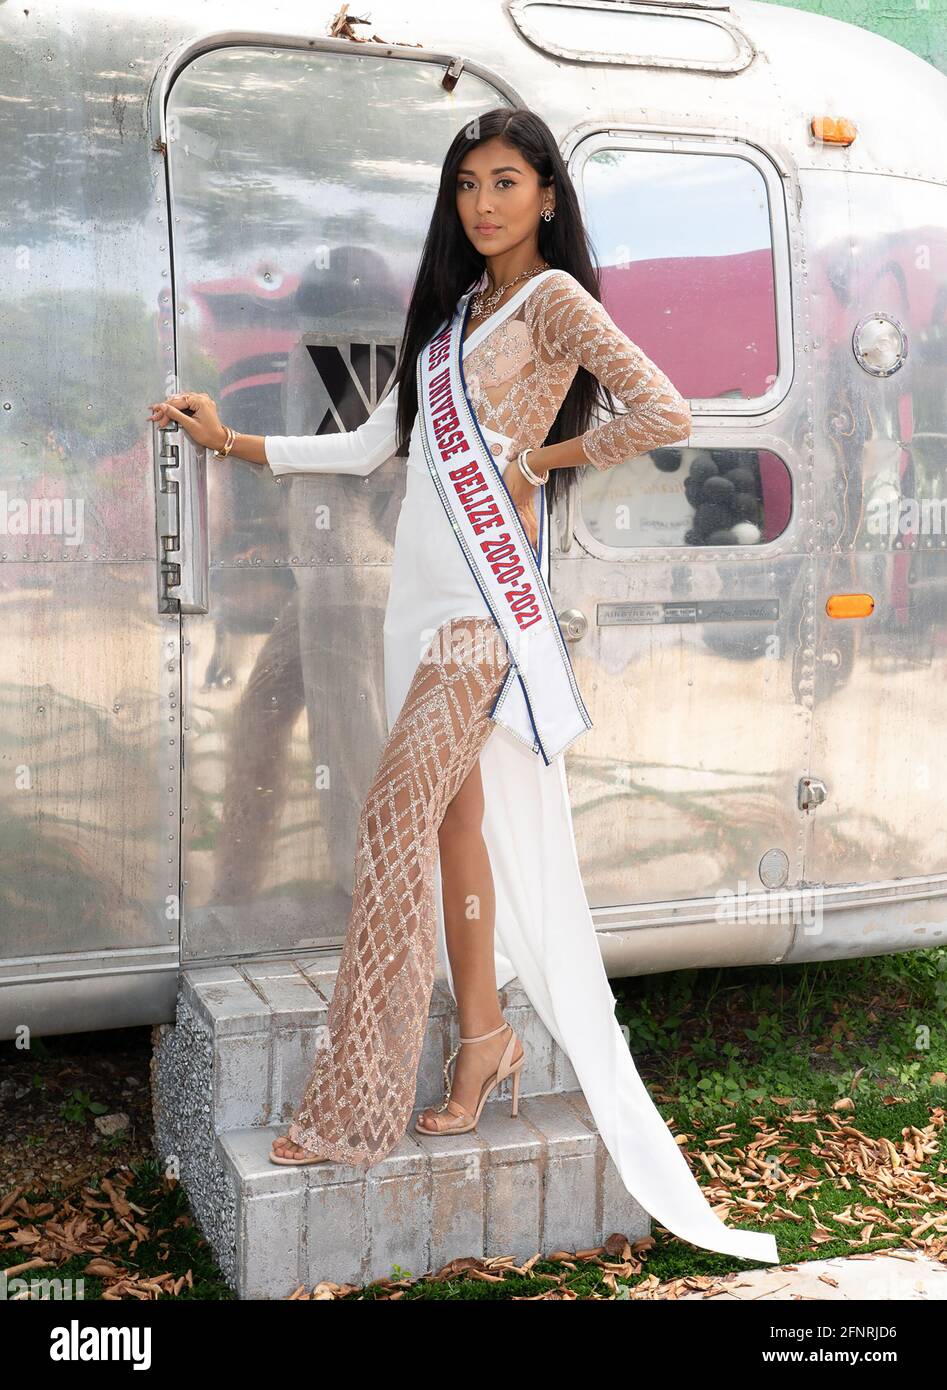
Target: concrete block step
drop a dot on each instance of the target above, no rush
(537, 1183)
(260, 1023)
(227, 1075)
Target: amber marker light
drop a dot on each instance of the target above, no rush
(849, 605)
(833, 130)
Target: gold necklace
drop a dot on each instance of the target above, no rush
(485, 304)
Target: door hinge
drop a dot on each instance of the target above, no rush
(452, 74)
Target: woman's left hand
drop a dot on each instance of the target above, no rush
(523, 493)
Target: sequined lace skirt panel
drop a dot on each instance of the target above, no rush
(361, 1090)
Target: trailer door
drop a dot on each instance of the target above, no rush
(301, 184)
(679, 576)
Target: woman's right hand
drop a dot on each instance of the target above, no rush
(203, 424)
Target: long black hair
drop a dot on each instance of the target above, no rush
(450, 265)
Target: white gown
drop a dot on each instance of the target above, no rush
(544, 935)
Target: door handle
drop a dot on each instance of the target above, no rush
(182, 533)
(574, 624)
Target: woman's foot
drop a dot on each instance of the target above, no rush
(474, 1063)
(283, 1147)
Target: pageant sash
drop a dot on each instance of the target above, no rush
(539, 701)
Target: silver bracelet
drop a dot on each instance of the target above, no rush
(527, 472)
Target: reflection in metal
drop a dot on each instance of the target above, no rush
(252, 229)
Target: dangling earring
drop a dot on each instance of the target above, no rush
(547, 214)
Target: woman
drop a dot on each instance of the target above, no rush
(506, 350)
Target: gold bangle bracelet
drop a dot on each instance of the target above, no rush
(231, 439)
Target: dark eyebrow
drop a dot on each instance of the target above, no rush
(504, 169)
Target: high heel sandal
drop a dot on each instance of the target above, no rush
(504, 1069)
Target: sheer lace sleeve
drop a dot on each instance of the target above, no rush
(573, 324)
(357, 451)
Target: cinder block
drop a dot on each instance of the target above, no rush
(569, 1173)
(227, 1004)
(457, 1205)
(270, 1241)
(289, 994)
(514, 1180)
(617, 1211)
(241, 1080)
(336, 1236)
(398, 1212)
(292, 1056)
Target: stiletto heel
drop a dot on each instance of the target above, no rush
(505, 1068)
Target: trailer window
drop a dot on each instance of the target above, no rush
(688, 497)
(691, 243)
(595, 31)
(686, 252)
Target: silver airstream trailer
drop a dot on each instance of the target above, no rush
(234, 201)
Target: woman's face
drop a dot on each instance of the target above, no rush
(499, 197)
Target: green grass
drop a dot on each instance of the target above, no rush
(814, 1032)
